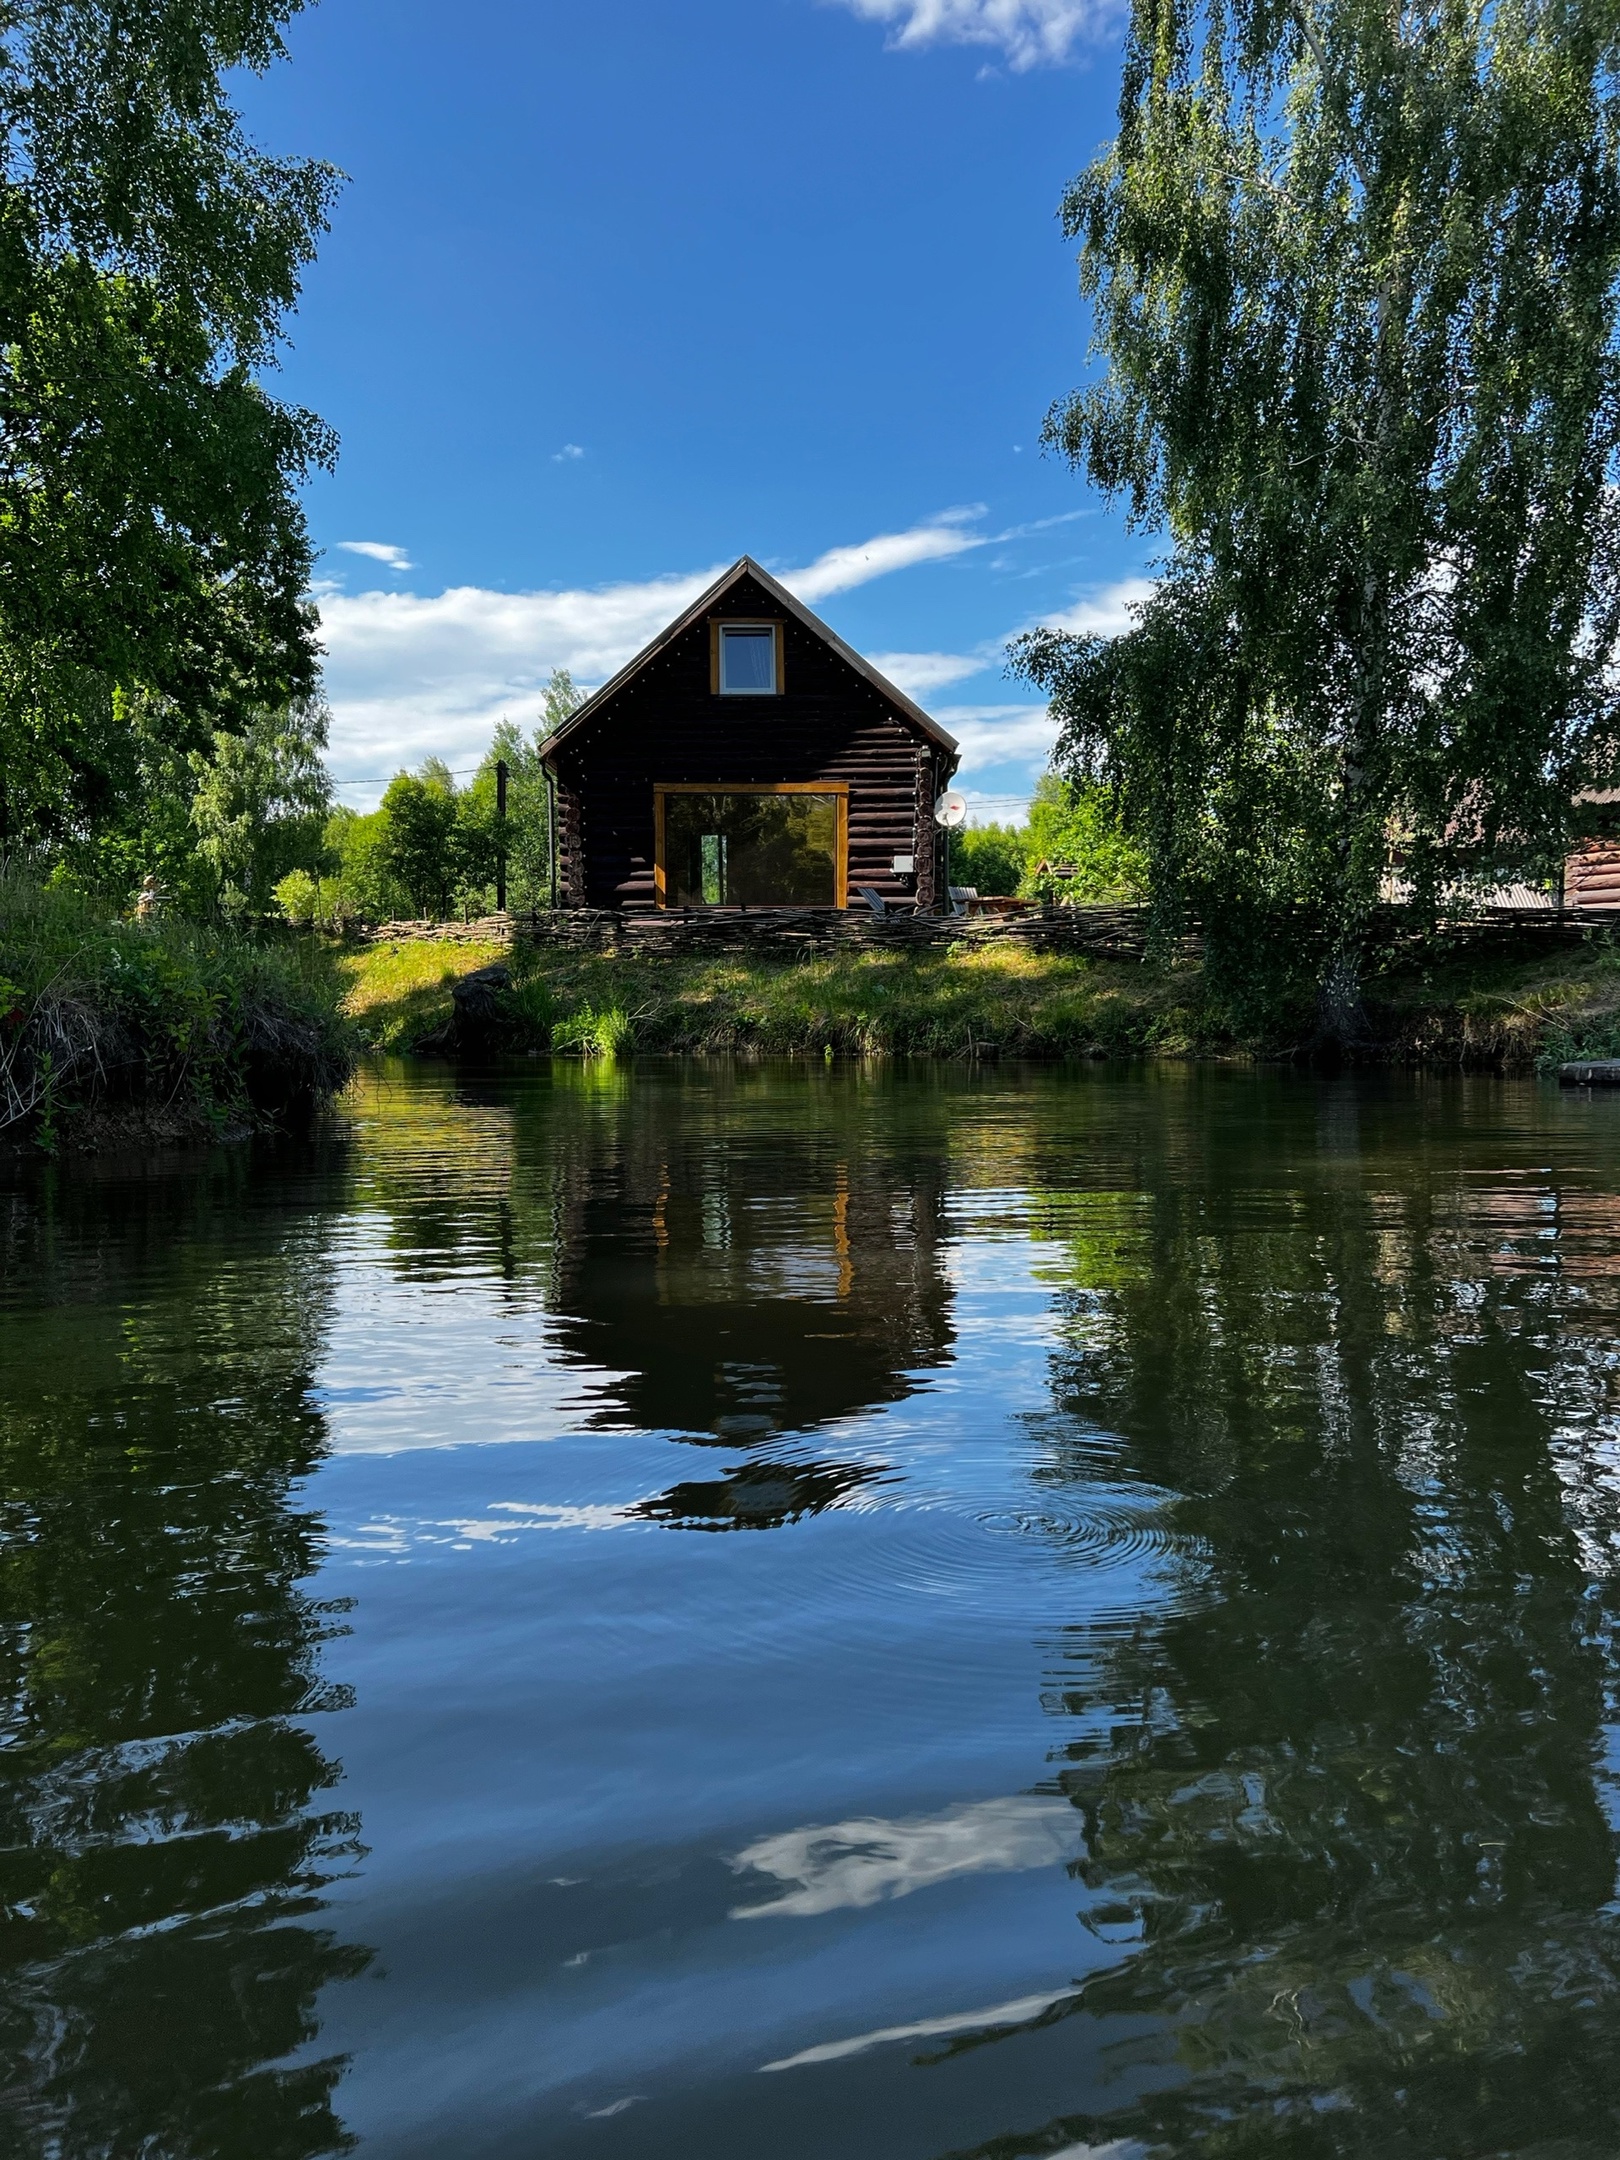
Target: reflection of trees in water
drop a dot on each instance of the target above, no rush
(1351, 1823)
(164, 1846)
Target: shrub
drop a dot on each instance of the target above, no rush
(205, 1025)
(299, 898)
(990, 857)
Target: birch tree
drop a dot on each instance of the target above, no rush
(1352, 273)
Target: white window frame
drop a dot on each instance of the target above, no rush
(753, 627)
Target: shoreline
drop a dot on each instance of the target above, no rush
(1498, 1002)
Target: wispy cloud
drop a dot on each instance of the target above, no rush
(841, 568)
(1105, 613)
(1030, 33)
(567, 455)
(409, 674)
(838, 1866)
(918, 673)
(993, 736)
(1022, 2010)
(383, 551)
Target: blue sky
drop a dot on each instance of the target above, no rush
(617, 293)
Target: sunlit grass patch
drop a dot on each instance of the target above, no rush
(398, 993)
(971, 1001)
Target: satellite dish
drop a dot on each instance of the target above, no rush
(950, 810)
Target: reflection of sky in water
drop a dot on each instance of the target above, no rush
(1049, 1613)
(833, 1725)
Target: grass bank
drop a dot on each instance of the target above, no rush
(1501, 1002)
(113, 1031)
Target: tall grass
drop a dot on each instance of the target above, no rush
(194, 1027)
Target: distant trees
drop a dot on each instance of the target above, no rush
(990, 858)
(261, 804)
(1076, 831)
(421, 849)
(432, 848)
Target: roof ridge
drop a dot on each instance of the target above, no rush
(746, 566)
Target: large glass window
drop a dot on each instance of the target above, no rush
(748, 660)
(750, 850)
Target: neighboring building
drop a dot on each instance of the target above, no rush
(1592, 878)
(748, 758)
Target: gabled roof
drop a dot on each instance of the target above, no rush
(746, 567)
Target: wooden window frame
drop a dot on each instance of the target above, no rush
(773, 624)
(838, 789)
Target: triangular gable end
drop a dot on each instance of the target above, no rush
(746, 567)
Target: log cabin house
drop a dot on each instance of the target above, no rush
(748, 758)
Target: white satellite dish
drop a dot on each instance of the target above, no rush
(950, 810)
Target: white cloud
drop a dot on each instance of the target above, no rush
(1104, 614)
(917, 673)
(838, 1866)
(567, 454)
(1031, 33)
(999, 735)
(383, 551)
(409, 674)
(1018, 2012)
(841, 568)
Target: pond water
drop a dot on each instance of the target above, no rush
(752, 1612)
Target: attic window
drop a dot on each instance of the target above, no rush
(747, 659)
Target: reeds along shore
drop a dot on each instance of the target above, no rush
(116, 1031)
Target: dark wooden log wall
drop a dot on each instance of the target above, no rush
(666, 725)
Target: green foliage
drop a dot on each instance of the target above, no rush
(151, 536)
(593, 1032)
(189, 1025)
(562, 698)
(528, 829)
(436, 849)
(1079, 829)
(298, 896)
(218, 826)
(1352, 274)
(419, 851)
(530, 1012)
(356, 849)
(988, 857)
(261, 805)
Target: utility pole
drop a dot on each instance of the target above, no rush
(500, 835)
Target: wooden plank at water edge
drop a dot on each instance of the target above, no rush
(1590, 1072)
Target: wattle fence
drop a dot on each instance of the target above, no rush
(1105, 933)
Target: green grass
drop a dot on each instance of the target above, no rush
(168, 1028)
(397, 993)
(1501, 1002)
(960, 1002)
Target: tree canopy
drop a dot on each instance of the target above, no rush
(151, 539)
(1352, 273)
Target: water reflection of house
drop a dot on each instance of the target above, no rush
(758, 1495)
(733, 1295)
